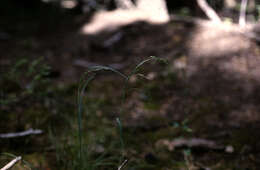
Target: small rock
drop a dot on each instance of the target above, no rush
(229, 149)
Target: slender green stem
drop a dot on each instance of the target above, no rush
(82, 87)
(80, 111)
(121, 136)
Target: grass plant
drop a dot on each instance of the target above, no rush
(84, 82)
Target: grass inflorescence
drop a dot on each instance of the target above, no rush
(84, 83)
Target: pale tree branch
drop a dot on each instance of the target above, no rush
(21, 134)
(11, 163)
(122, 165)
(208, 10)
(242, 16)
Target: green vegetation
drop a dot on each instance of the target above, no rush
(94, 137)
(82, 160)
(132, 117)
(24, 79)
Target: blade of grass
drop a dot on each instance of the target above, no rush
(80, 111)
(83, 85)
(120, 135)
(100, 68)
(136, 69)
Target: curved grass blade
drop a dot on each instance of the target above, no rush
(120, 133)
(100, 68)
(136, 69)
(82, 87)
(80, 111)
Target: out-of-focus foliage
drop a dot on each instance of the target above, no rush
(182, 7)
(24, 79)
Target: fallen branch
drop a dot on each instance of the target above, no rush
(21, 134)
(193, 142)
(122, 165)
(11, 163)
(208, 10)
(242, 16)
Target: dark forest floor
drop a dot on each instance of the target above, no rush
(208, 91)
